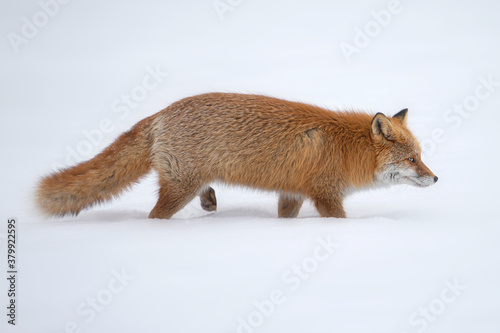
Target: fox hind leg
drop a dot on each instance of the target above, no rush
(208, 200)
(173, 196)
(289, 205)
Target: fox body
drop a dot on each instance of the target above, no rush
(299, 150)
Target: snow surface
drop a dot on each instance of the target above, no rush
(396, 254)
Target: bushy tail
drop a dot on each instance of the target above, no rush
(116, 168)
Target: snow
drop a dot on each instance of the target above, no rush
(401, 252)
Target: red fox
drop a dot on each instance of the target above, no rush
(299, 150)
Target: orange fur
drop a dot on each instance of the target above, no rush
(300, 150)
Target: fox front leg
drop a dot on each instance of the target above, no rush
(330, 206)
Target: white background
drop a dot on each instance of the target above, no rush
(201, 272)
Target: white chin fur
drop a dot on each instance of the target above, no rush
(393, 175)
(420, 181)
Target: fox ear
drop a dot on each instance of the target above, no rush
(401, 115)
(381, 126)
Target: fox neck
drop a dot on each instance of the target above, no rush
(360, 166)
(358, 154)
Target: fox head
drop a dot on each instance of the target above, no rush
(398, 153)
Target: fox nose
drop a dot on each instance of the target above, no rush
(435, 179)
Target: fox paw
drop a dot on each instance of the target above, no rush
(208, 200)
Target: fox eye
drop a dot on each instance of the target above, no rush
(411, 159)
